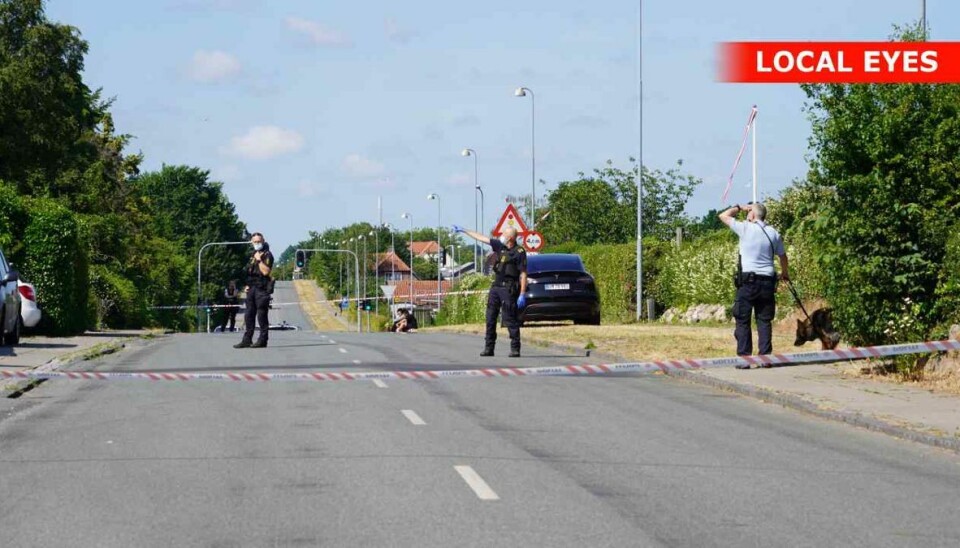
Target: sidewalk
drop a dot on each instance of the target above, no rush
(829, 391)
(56, 352)
(825, 391)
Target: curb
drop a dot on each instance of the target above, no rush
(16, 389)
(797, 403)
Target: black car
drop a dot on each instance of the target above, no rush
(560, 288)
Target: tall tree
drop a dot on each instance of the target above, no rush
(46, 111)
(601, 208)
(189, 209)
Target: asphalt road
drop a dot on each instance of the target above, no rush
(626, 461)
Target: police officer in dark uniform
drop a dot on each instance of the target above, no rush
(258, 293)
(507, 295)
(231, 303)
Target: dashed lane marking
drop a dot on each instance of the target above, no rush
(413, 417)
(475, 482)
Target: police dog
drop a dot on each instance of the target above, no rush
(818, 326)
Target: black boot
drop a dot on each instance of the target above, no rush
(259, 344)
(487, 352)
(514, 352)
(242, 344)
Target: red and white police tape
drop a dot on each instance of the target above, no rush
(855, 353)
(297, 303)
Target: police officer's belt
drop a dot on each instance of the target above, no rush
(750, 277)
(506, 283)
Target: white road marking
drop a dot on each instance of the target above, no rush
(356, 362)
(413, 417)
(332, 341)
(343, 350)
(473, 479)
(379, 384)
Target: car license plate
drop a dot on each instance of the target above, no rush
(556, 287)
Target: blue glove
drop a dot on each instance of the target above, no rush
(522, 301)
(458, 228)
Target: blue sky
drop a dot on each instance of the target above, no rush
(310, 110)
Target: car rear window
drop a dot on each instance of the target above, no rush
(554, 263)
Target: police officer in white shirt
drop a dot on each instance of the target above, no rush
(757, 278)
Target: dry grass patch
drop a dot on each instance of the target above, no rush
(320, 314)
(638, 341)
(941, 376)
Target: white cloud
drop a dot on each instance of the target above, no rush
(317, 33)
(459, 180)
(397, 34)
(361, 167)
(308, 189)
(226, 173)
(213, 66)
(264, 142)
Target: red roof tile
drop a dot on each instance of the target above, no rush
(422, 248)
(385, 260)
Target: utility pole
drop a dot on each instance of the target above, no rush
(640, 160)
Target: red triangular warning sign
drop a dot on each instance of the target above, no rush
(510, 217)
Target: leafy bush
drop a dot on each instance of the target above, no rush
(699, 272)
(885, 160)
(115, 299)
(948, 289)
(56, 262)
(460, 309)
(13, 219)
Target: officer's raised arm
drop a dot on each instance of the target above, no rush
(475, 235)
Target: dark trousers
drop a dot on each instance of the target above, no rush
(757, 297)
(258, 303)
(229, 317)
(503, 300)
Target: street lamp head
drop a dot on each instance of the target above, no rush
(433, 196)
(406, 216)
(372, 232)
(466, 152)
(520, 92)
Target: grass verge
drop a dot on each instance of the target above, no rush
(320, 314)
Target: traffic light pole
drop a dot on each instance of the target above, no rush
(199, 260)
(356, 272)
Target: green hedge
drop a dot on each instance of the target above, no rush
(115, 300)
(614, 268)
(55, 260)
(461, 309)
(948, 289)
(13, 219)
(698, 272)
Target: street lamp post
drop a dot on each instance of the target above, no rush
(435, 196)
(522, 92)
(199, 260)
(410, 249)
(393, 249)
(376, 271)
(340, 269)
(476, 186)
(453, 253)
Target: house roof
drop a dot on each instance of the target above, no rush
(423, 248)
(389, 260)
(423, 290)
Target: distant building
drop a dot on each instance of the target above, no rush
(424, 291)
(392, 268)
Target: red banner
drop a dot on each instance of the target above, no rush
(840, 62)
